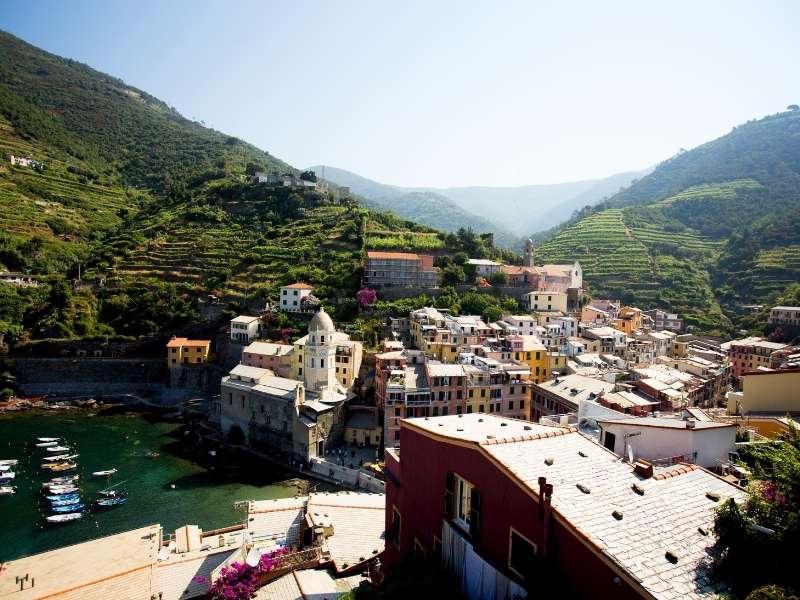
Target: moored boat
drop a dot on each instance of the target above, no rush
(65, 480)
(60, 466)
(58, 448)
(46, 444)
(109, 502)
(7, 475)
(7, 490)
(64, 518)
(11, 462)
(48, 439)
(67, 509)
(62, 491)
(105, 473)
(65, 502)
(5, 467)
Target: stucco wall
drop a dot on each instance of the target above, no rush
(424, 464)
(771, 392)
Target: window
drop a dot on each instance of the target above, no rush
(470, 393)
(322, 339)
(469, 409)
(521, 555)
(463, 503)
(321, 363)
(393, 535)
(435, 411)
(510, 405)
(459, 410)
(511, 391)
(445, 410)
(521, 404)
(480, 408)
(396, 411)
(397, 435)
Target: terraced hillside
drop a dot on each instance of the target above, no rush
(627, 255)
(48, 217)
(707, 232)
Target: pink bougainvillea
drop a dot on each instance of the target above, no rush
(366, 297)
(239, 580)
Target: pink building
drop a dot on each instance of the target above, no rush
(266, 355)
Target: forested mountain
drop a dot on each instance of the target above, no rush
(154, 211)
(707, 231)
(426, 207)
(513, 212)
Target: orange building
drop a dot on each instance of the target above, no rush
(183, 351)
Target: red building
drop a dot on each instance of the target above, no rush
(513, 507)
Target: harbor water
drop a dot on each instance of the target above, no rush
(162, 485)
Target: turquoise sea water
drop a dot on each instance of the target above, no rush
(200, 497)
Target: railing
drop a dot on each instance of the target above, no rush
(671, 460)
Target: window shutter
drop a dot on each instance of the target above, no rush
(475, 514)
(449, 493)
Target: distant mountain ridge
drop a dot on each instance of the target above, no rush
(423, 206)
(520, 210)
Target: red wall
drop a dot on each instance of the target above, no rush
(424, 464)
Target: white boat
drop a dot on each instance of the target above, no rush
(11, 462)
(56, 457)
(105, 473)
(46, 439)
(6, 490)
(57, 481)
(7, 475)
(64, 518)
(46, 444)
(58, 449)
(62, 489)
(5, 467)
(61, 466)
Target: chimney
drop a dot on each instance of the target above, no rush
(643, 468)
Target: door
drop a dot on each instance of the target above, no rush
(610, 440)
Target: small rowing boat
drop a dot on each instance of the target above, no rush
(105, 473)
(58, 448)
(64, 518)
(60, 466)
(46, 444)
(66, 496)
(60, 491)
(65, 480)
(65, 502)
(7, 490)
(11, 462)
(109, 502)
(7, 475)
(48, 439)
(67, 509)
(56, 457)
(5, 467)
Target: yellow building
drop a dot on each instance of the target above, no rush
(765, 392)
(628, 320)
(557, 362)
(534, 354)
(183, 351)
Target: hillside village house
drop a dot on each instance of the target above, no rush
(594, 316)
(299, 417)
(485, 267)
(400, 269)
(562, 394)
(705, 443)
(663, 320)
(628, 320)
(773, 393)
(515, 508)
(244, 329)
(751, 354)
(294, 296)
(183, 351)
(784, 315)
(546, 301)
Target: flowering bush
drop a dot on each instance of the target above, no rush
(239, 580)
(366, 297)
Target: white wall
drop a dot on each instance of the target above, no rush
(712, 445)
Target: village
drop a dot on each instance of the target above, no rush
(597, 414)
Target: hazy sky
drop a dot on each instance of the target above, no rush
(445, 93)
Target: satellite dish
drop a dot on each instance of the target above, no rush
(630, 454)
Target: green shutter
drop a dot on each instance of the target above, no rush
(475, 514)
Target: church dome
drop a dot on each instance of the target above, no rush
(321, 321)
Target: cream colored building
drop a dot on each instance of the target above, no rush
(766, 392)
(546, 301)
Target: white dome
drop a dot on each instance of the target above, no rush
(321, 321)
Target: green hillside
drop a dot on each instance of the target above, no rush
(706, 232)
(153, 210)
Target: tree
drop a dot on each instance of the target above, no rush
(366, 298)
(452, 276)
(499, 278)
